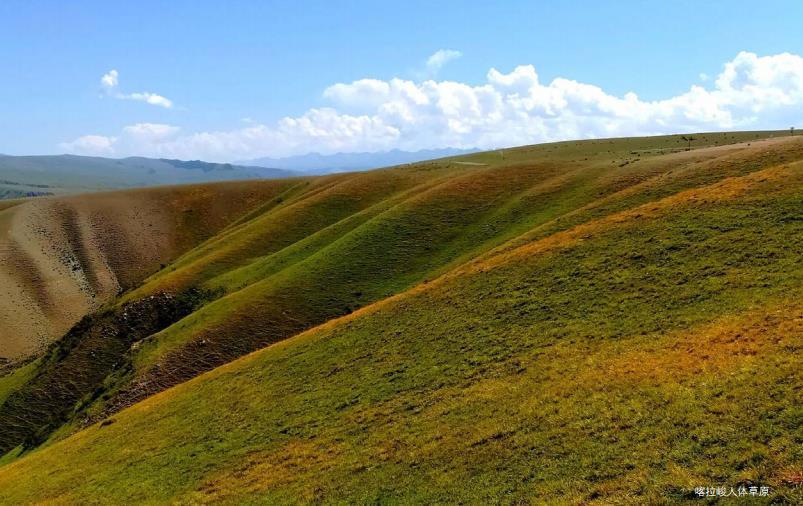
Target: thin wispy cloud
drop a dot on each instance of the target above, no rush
(508, 109)
(440, 58)
(110, 82)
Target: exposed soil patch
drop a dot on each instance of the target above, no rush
(63, 258)
(73, 370)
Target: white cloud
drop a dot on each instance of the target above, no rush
(91, 145)
(368, 93)
(151, 132)
(110, 82)
(142, 138)
(508, 109)
(150, 98)
(440, 58)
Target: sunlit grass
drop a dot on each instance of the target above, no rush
(625, 357)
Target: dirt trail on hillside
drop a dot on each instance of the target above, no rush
(63, 258)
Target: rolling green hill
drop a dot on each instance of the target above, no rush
(609, 321)
(22, 176)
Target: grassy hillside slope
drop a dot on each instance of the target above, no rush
(609, 321)
(277, 285)
(61, 258)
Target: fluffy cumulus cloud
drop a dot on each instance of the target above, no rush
(110, 81)
(507, 109)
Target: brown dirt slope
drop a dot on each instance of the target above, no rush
(62, 258)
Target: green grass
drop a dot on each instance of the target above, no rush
(612, 340)
(367, 236)
(12, 379)
(401, 241)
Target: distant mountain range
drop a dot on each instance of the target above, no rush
(22, 176)
(316, 163)
(27, 176)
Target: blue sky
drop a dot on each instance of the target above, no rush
(247, 79)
